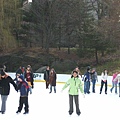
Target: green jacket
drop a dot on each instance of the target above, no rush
(74, 85)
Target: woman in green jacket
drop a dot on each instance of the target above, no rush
(74, 84)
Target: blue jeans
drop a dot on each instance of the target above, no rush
(51, 88)
(30, 89)
(114, 84)
(93, 85)
(86, 87)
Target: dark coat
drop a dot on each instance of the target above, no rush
(5, 85)
(87, 76)
(46, 75)
(52, 79)
(19, 71)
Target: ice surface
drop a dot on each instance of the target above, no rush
(55, 106)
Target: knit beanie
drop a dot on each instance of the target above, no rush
(21, 77)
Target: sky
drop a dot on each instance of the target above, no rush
(55, 106)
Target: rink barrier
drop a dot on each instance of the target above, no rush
(64, 82)
(61, 78)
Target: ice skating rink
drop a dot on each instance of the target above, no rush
(55, 106)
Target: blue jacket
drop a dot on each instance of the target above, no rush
(23, 87)
(86, 77)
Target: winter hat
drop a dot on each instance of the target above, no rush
(2, 73)
(21, 77)
(88, 68)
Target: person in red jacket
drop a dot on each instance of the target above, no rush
(29, 78)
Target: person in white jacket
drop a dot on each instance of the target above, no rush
(104, 77)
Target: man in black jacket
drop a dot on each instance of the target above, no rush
(46, 76)
(5, 89)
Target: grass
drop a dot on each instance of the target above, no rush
(111, 66)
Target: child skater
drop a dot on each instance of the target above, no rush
(24, 89)
(74, 84)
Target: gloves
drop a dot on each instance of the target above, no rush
(32, 86)
(83, 95)
(16, 90)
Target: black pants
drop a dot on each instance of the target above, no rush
(76, 104)
(47, 84)
(102, 83)
(23, 100)
(119, 89)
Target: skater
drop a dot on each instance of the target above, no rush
(24, 89)
(52, 80)
(104, 77)
(118, 79)
(18, 73)
(94, 79)
(86, 78)
(29, 78)
(114, 82)
(74, 84)
(46, 77)
(5, 82)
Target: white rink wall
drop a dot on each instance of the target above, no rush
(38, 77)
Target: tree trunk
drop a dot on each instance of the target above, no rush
(96, 56)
